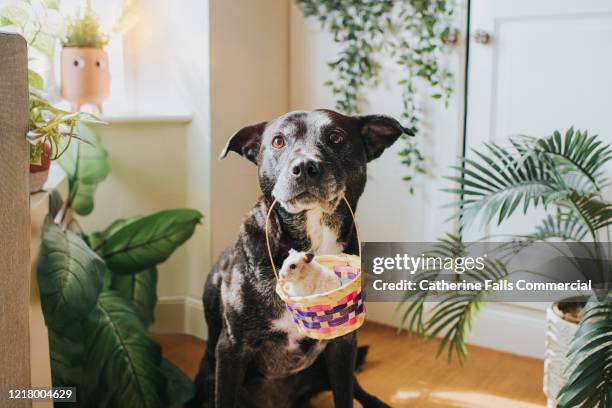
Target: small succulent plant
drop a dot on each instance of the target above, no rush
(83, 31)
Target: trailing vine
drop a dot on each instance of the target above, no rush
(411, 32)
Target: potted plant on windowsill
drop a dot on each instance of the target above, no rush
(85, 75)
(84, 62)
(566, 173)
(50, 130)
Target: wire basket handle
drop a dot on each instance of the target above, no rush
(268, 238)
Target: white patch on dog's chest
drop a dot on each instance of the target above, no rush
(323, 239)
(286, 325)
(291, 359)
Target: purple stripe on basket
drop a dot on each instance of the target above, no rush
(344, 281)
(343, 312)
(346, 275)
(326, 312)
(332, 323)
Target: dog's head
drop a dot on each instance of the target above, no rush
(311, 159)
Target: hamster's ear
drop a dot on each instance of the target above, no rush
(246, 142)
(308, 257)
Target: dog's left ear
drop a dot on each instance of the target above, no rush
(246, 142)
(379, 132)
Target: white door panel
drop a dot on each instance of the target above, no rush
(546, 66)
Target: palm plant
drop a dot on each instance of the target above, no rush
(565, 175)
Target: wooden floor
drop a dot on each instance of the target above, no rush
(405, 373)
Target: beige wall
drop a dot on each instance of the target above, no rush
(148, 173)
(249, 75)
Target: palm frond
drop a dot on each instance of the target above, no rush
(499, 180)
(577, 152)
(453, 314)
(594, 213)
(563, 225)
(590, 382)
(530, 172)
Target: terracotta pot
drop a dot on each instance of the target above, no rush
(85, 77)
(39, 173)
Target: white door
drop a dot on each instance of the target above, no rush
(546, 65)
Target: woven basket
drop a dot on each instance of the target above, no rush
(332, 314)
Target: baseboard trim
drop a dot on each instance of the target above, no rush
(500, 326)
(507, 327)
(180, 314)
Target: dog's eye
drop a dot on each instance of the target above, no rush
(336, 137)
(278, 142)
(293, 266)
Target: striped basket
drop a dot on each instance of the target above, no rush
(332, 314)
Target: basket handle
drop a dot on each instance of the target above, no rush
(268, 238)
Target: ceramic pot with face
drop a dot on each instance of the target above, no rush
(85, 77)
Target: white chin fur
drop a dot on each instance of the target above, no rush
(298, 207)
(295, 207)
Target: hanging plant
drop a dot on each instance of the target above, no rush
(413, 33)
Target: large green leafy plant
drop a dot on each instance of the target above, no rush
(411, 32)
(565, 174)
(98, 292)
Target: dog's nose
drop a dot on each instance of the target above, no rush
(307, 169)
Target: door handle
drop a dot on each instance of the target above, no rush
(482, 37)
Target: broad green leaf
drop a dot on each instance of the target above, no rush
(35, 80)
(55, 203)
(69, 276)
(180, 387)
(96, 239)
(82, 197)
(66, 358)
(85, 163)
(147, 241)
(122, 361)
(141, 290)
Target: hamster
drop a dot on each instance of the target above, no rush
(301, 275)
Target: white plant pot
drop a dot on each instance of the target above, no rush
(559, 334)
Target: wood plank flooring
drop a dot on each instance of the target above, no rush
(405, 373)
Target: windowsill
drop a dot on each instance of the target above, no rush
(117, 113)
(147, 117)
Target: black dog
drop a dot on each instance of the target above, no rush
(255, 356)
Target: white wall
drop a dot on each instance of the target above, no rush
(406, 217)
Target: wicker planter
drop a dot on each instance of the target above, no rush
(85, 77)
(559, 334)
